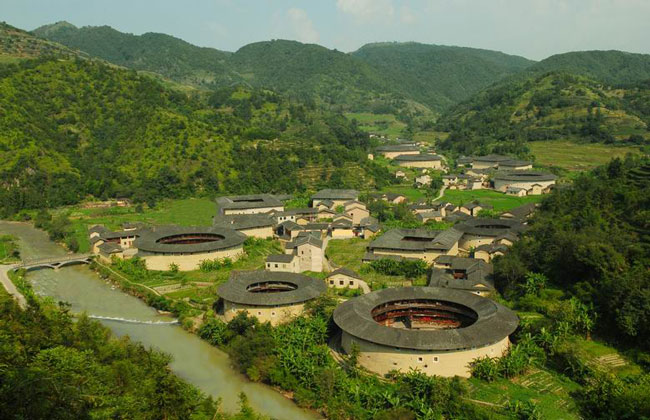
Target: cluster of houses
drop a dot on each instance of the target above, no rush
(500, 173)
(459, 256)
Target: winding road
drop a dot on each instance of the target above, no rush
(9, 286)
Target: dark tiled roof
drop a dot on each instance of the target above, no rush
(334, 194)
(515, 163)
(280, 258)
(251, 201)
(525, 176)
(97, 229)
(490, 227)
(149, 241)
(345, 272)
(290, 225)
(109, 248)
(244, 221)
(236, 289)
(478, 274)
(304, 239)
(398, 148)
(521, 212)
(326, 203)
(492, 158)
(423, 157)
(494, 322)
(423, 239)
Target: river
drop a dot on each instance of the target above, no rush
(194, 360)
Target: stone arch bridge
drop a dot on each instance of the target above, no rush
(55, 262)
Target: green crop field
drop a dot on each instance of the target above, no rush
(385, 124)
(576, 156)
(500, 201)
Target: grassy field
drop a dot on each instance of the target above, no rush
(348, 253)
(187, 212)
(385, 124)
(576, 156)
(500, 201)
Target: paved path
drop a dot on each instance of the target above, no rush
(10, 287)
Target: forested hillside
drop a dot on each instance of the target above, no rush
(610, 67)
(16, 44)
(550, 106)
(436, 75)
(592, 239)
(159, 53)
(69, 129)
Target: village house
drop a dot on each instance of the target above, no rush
(516, 191)
(422, 160)
(307, 213)
(436, 215)
(248, 204)
(253, 225)
(356, 210)
(421, 244)
(392, 151)
(521, 213)
(488, 251)
(473, 208)
(480, 231)
(342, 278)
(460, 273)
(400, 174)
(423, 181)
(283, 262)
(309, 249)
(341, 229)
(337, 197)
(448, 180)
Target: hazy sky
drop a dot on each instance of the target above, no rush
(532, 28)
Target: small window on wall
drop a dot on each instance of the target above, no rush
(419, 359)
(351, 282)
(272, 313)
(341, 282)
(259, 313)
(435, 359)
(276, 266)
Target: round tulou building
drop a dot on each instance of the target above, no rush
(271, 296)
(436, 331)
(187, 247)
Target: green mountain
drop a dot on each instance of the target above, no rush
(159, 53)
(396, 77)
(76, 128)
(549, 106)
(611, 67)
(436, 75)
(16, 44)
